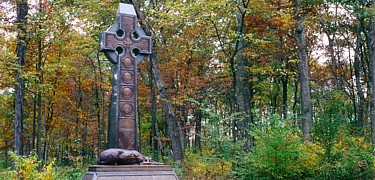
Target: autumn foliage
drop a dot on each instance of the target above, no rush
(232, 75)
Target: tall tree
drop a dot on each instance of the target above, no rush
(242, 91)
(306, 115)
(22, 9)
(171, 119)
(372, 63)
(357, 70)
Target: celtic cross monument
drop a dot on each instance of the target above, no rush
(125, 45)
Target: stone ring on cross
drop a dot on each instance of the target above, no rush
(125, 37)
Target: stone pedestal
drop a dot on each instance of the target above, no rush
(124, 172)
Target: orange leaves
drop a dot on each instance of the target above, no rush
(47, 7)
(284, 21)
(278, 17)
(256, 23)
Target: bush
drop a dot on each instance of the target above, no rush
(351, 158)
(27, 168)
(280, 153)
(206, 166)
(277, 153)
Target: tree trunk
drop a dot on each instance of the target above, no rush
(284, 82)
(97, 106)
(174, 132)
(372, 62)
(198, 129)
(357, 73)
(242, 91)
(84, 141)
(306, 115)
(39, 102)
(97, 109)
(183, 130)
(240, 63)
(22, 9)
(102, 127)
(78, 107)
(181, 124)
(34, 121)
(153, 111)
(295, 97)
(80, 122)
(48, 121)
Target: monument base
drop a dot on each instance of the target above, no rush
(119, 172)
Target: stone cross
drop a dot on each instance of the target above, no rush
(125, 45)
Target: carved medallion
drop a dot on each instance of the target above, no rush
(127, 62)
(127, 93)
(127, 109)
(127, 77)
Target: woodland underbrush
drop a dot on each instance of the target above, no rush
(29, 168)
(279, 152)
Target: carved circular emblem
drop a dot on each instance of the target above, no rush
(127, 77)
(127, 92)
(126, 109)
(127, 62)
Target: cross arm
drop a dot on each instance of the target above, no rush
(108, 50)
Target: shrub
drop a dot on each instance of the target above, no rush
(206, 166)
(351, 158)
(277, 153)
(26, 167)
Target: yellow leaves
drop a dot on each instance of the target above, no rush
(346, 144)
(47, 172)
(201, 167)
(284, 21)
(27, 168)
(206, 170)
(313, 155)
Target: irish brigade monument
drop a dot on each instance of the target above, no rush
(125, 45)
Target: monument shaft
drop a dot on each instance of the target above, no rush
(125, 45)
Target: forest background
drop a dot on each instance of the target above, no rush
(241, 89)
